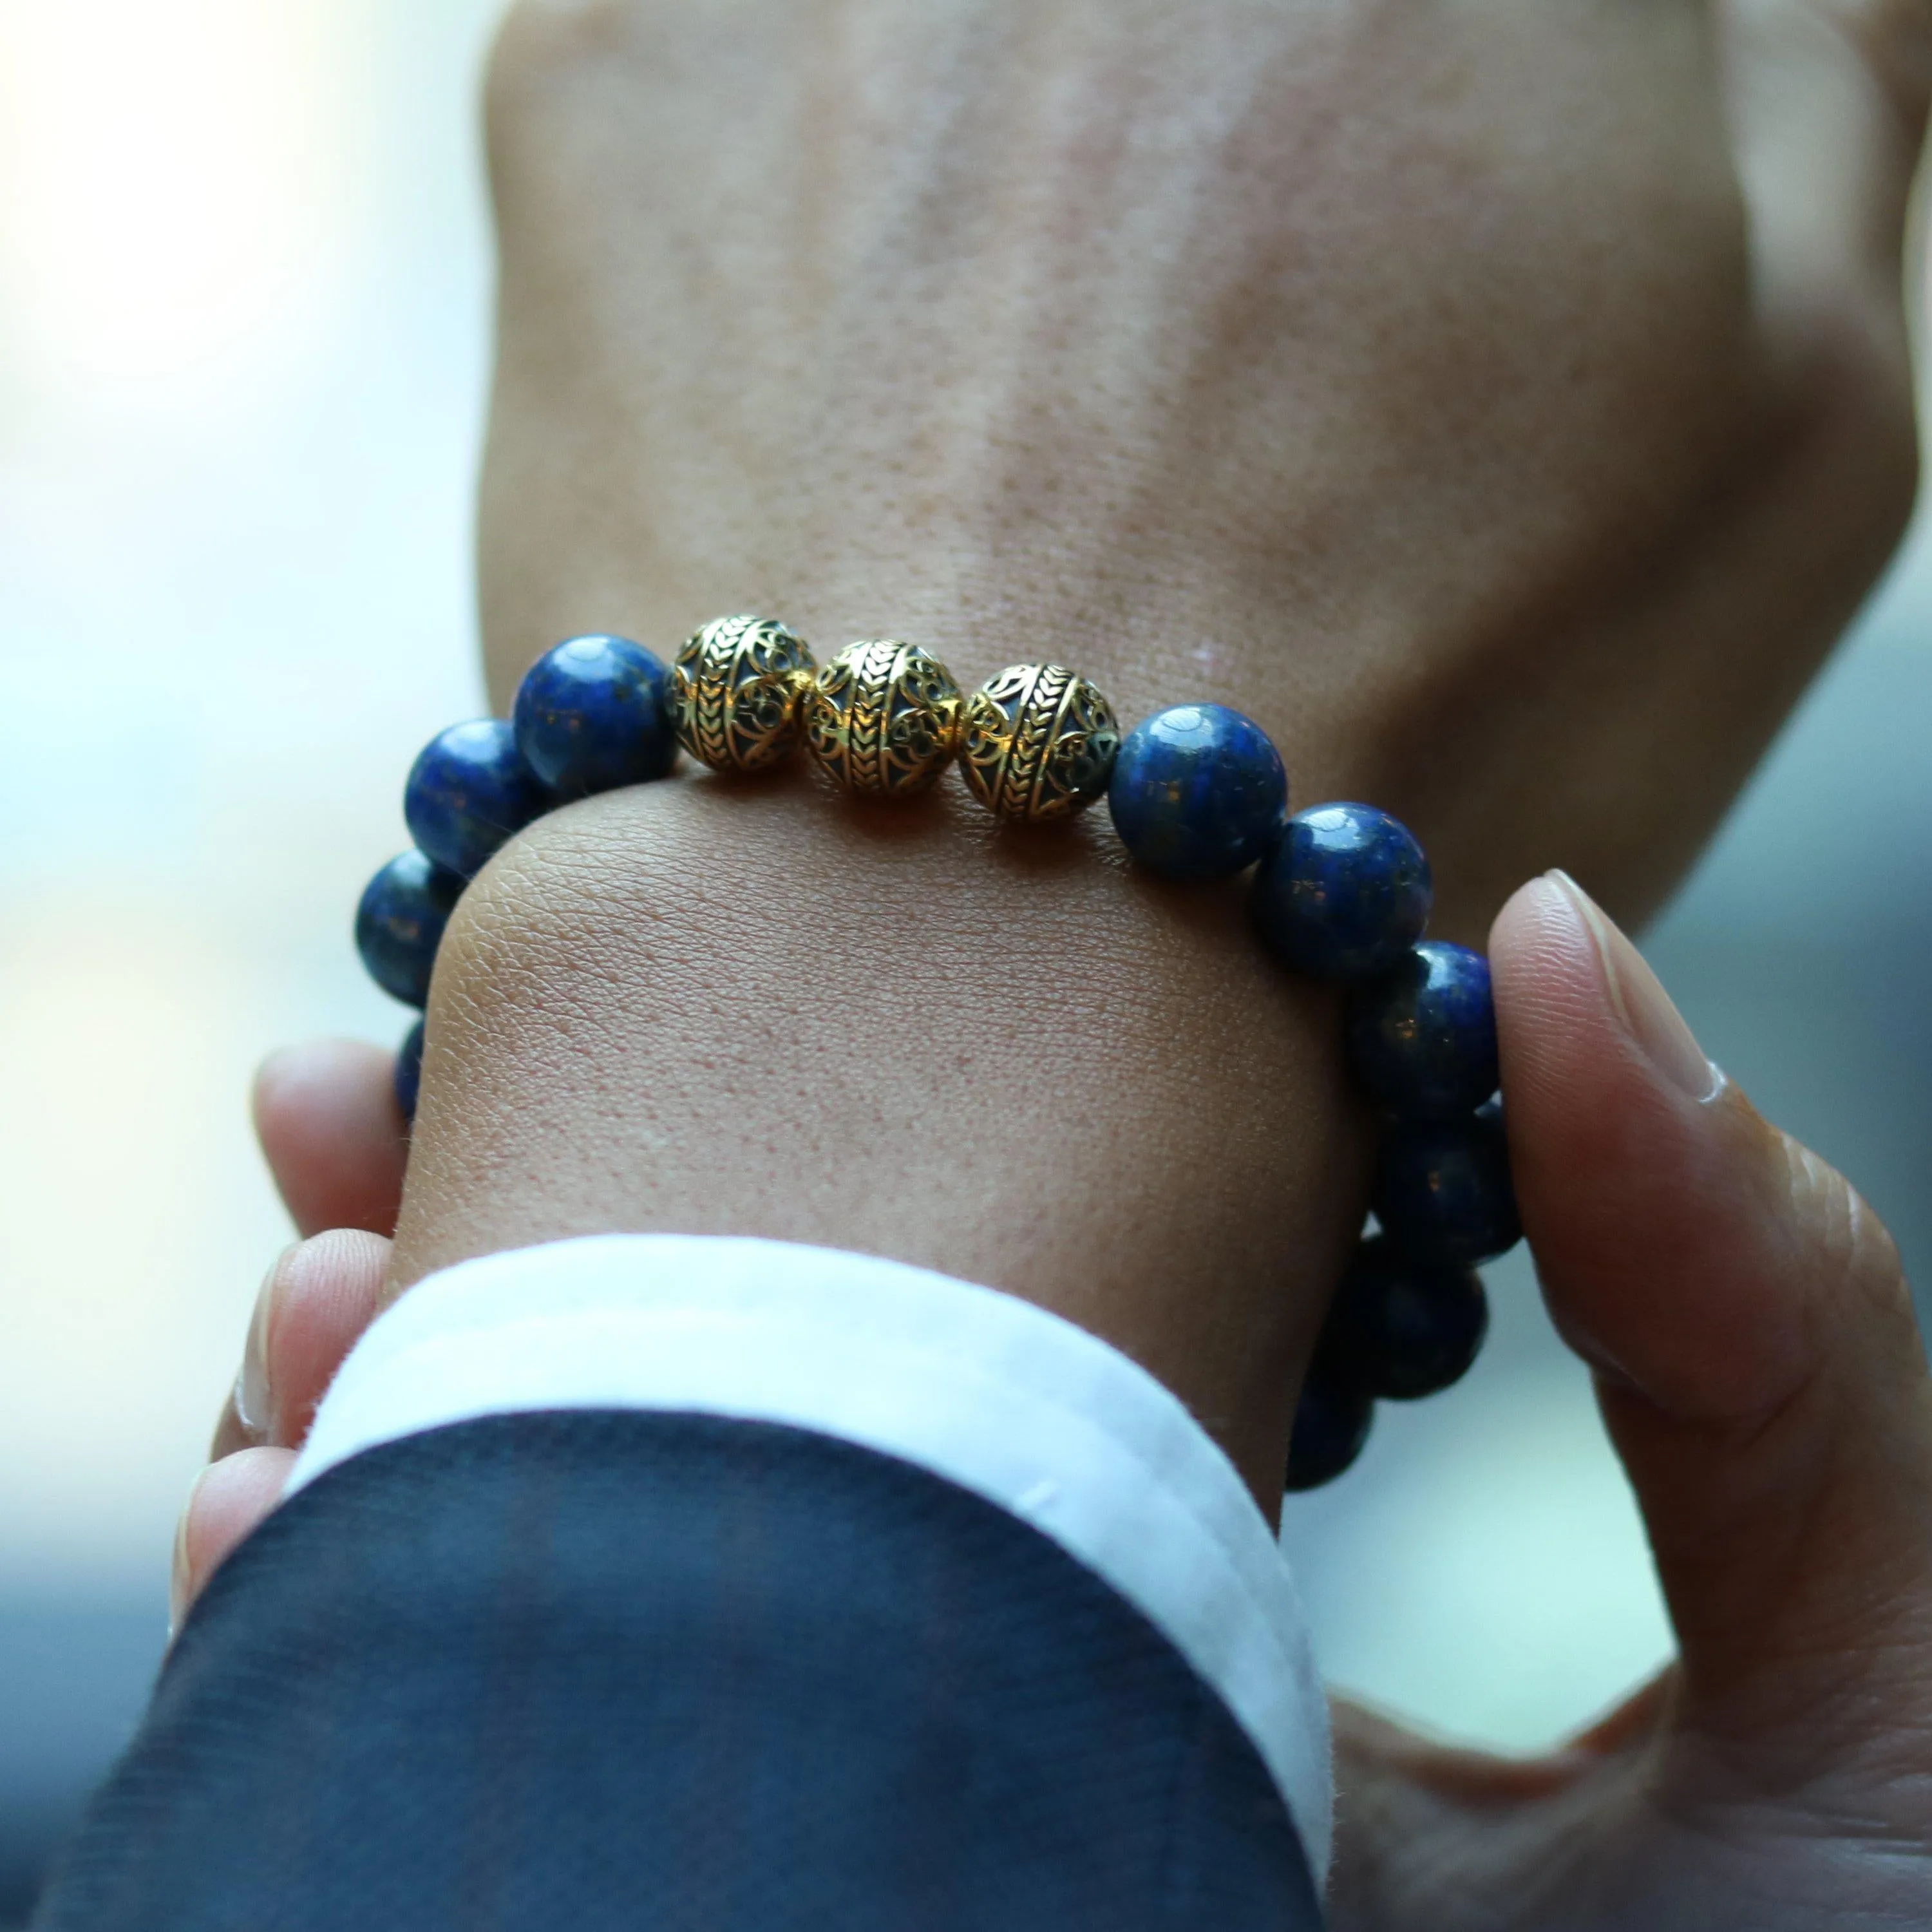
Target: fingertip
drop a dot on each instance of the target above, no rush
(292, 1080)
(1581, 1002)
(1638, 1168)
(1525, 912)
(1543, 966)
(323, 1295)
(1573, 1087)
(334, 1140)
(228, 1501)
(281, 1069)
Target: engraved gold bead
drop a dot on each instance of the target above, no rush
(737, 689)
(883, 717)
(1038, 742)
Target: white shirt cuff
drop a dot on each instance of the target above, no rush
(987, 1391)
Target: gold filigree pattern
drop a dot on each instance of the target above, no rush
(1038, 742)
(736, 691)
(883, 717)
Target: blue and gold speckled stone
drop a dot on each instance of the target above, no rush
(409, 1071)
(1422, 1037)
(1443, 1193)
(1331, 1423)
(595, 714)
(1198, 792)
(1400, 1329)
(470, 792)
(1345, 893)
(399, 924)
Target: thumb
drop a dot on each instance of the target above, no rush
(1758, 1363)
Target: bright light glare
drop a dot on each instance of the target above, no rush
(175, 203)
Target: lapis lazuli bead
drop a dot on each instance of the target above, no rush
(399, 924)
(1401, 1329)
(1422, 1037)
(594, 714)
(469, 792)
(1331, 1423)
(1345, 892)
(1198, 792)
(409, 1071)
(1443, 1192)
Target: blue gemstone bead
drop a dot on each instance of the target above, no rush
(468, 793)
(1423, 1035)
(1401, 1329)
(1331, 1423)
(409, 1071)
(1198, 792)
(399, 924)
(593, 714)
(1345, 892)
(1443, 1192)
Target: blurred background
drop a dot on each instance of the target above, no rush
(243, 329)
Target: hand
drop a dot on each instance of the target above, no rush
(326, 1115)
(1506, 405)
(1764, 1385)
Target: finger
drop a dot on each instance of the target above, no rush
(312, 1308)
(325, 1114)
(231, 1498)
(1759, 1362)
(1431, 1834)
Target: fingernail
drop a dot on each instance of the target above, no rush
(178, 1574)
(1637, 995)
(254, 1400)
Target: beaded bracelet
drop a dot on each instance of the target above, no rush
(1340, 892)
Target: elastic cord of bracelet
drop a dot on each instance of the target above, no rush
(1340, 892)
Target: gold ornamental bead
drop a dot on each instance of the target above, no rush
(735, 693)
(883, 717)
(1039, 742)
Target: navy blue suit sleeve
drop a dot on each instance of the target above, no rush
(646, 1671)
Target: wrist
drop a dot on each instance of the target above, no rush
(707, 1008)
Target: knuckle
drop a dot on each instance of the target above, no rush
(1850, 419)
(544, 54)
(1875, 388)
(617, 63)
(1852, 1251)
(1894, 38)
(537, 35)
